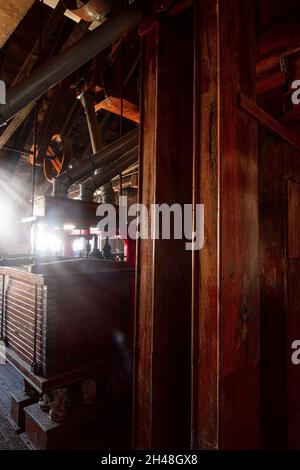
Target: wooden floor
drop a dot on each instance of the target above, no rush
(9, 380)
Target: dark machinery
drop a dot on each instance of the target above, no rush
(62, 316)
(66, 326)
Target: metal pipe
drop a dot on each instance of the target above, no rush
(108, 154)
(62, 65)
(87, 101)
(91, 184)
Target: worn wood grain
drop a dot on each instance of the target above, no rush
(163, 320)
(226, 366)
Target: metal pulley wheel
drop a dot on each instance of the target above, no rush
(58, 156)
(89, 10)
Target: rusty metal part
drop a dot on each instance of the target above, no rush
(31, 158)
(62, 65)
(92, 10)
(59, 154)
(56, 159)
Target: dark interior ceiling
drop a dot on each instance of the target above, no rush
(113, 74)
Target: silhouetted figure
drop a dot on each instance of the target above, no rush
(107, 250)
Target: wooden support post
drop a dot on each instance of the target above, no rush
(226, 385)
(163, 314)
(271, 82)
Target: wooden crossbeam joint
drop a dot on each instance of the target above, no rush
(266, 120)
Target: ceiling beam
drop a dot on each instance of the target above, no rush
(29, 63)
(11, 14)
(276, 80)
(281, 41)
(113, 105)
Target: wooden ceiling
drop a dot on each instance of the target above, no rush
(11, 13)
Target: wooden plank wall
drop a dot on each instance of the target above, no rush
(292, 303)
(272, 290)
(226, 308)
(279, 286)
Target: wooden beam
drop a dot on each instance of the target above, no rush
(226, 388)
(162, 385)
(113, 105)
(11, 13)
(281, 41)
(15, 123)
(26, 68)
(270, 82)
(170, 7)
(263, 118)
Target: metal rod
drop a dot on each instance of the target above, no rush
(34, 157)
(122, 103)
(62, 65)
(126, 175)
(36, 119)
(132, 69)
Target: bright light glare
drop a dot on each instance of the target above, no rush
(78, 244)
(69, 227)
(48, 243)
(6, 213)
